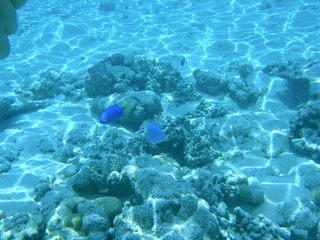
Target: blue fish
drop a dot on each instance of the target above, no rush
(182, 61)
(111, 114)
(154, 133)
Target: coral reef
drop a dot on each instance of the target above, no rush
(22, 226)
(234, 80)
(10, 106)
(210, 110)
(301, 220)
(304, 130)
(117, 185)
(119, 74)
(50, 83)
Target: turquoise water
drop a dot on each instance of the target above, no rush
(233, 85)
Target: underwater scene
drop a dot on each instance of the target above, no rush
(160, 120)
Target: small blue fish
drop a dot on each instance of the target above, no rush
(111, 114)
(154, 133)
(182, 61)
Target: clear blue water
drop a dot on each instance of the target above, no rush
(234, 85)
